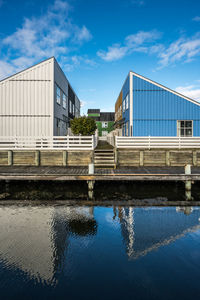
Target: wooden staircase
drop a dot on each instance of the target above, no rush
(104, 158)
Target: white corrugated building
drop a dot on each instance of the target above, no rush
(36, 101)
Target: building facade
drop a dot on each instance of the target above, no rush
(104, 120)
(151, 109)
(38, 101)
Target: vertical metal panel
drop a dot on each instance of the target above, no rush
(125, 91)
(156, 110)
(59, 112)
(25, 100)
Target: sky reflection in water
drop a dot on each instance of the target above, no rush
(64, 252)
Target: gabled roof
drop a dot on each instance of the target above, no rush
(27, 68)
(165, 88)
(93, 111)
(107, 116)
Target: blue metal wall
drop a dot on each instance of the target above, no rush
(156, 111)
(125, 91)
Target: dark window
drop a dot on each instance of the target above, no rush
(185, 128)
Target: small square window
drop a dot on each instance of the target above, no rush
(185, 128)
(104, 124)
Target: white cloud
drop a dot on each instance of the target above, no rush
(196, 19)
(182, 49)
(82, 34)
(52, 34)
(138, 42)
(114, 52)
(191, 91)
(6, 69)
(138, 2)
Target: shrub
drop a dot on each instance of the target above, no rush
(83, 126)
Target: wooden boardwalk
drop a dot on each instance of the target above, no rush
(81, 173)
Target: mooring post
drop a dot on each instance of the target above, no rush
(188, 183)
(91, 182)
(90, 189)
(91, 169)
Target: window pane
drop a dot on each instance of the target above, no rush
(188, 132)
(182, 132)
(182, 124)
(188, 124)
(58, 95)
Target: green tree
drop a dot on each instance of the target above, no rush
(83, 126)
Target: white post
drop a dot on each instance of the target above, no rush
(188, 170)
(188, 183)
(91, 169)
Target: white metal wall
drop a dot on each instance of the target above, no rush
(26, 102)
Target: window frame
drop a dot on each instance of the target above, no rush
(127, 104)
(104, 124)
(64, 101)
(178, 128)
(58, 96)
(124, 105)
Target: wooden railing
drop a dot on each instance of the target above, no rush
(157, 142)
(54, 143)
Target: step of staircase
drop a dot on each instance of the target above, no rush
(104, 158)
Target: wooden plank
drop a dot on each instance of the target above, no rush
(198, 158)
(106, 177)
(23, 158)
(51, 158)
(181, 157)
(3, 158)
(154, 158)
(79, 158)
(128, 157)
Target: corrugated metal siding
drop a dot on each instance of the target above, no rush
(118, 104)
(26, 102)
(59, 111)
(77, 107)
(156, 111)
(126, 87)
(154, 128)
(125, 91)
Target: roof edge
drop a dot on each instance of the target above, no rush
(166, 88)
(28, 68)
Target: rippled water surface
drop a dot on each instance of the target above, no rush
(65, 252)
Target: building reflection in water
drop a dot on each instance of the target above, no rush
(146, 229)
(34, 239)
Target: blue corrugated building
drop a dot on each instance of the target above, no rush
(151, 109)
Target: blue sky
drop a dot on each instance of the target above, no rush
(97, 42)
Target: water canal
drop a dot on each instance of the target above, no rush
(80, 252)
